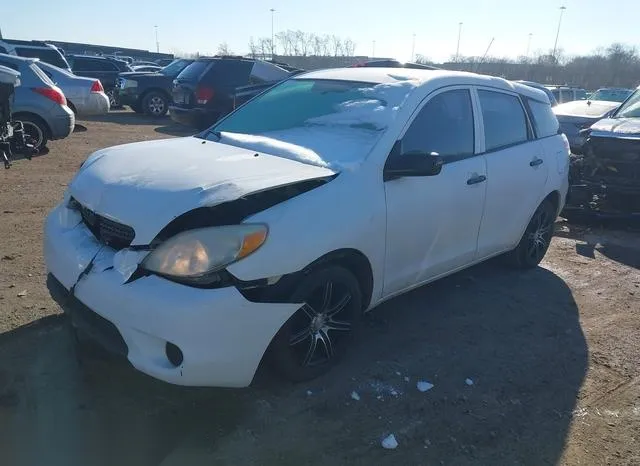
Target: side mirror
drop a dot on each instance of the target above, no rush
(412, 163)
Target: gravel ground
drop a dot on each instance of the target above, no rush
(552, 358)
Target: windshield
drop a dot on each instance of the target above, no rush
(174, 68)
(323, 122)
(631, 108)
(612, 95)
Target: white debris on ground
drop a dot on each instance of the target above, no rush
(398, 373)
(468, 382)
(394, 393)
(309, 393)
(406, 379)
(390, 442)
(355, 396)
(423, 386)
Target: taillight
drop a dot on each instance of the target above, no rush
(52, 93)
(97, 86)
(204, 95)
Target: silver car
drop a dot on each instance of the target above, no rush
(38, 102)
(576, 116)
(85, 96)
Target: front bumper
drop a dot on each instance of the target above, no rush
(221, 335)
(194, 117)
(128, 96)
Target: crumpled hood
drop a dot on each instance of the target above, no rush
(623, 128)
(146, 185)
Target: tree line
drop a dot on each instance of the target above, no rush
(302, 44)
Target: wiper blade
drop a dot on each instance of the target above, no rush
(217, 134)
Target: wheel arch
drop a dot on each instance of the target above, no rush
(33, 116)
(554, 198)
(159, 90)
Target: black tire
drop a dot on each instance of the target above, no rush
(317, 336)
(536, 239)
(36, 128)
(113, 100)
(155, 104)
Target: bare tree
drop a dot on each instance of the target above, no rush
(223, 49)
(349, 48)
(253, 48)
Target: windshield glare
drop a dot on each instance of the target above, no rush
(631, 108)
(340, 121)
(175, 67)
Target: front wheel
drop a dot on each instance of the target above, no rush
(536, 239)
(317, 336)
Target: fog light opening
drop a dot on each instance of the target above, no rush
(174, 354)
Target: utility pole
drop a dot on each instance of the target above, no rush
(413, 49)
(555, 45)
(157, 43)
(458, 47)
(273, 45)
(528, 45)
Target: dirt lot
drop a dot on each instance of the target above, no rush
(553, 356)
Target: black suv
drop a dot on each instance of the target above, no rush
(104, 69)
(212, 87)
(149, 92)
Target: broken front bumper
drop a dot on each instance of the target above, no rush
(221, 335)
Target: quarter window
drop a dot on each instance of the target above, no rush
(544, 119)
(444, 125)
(505, 122)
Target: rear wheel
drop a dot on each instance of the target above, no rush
(155, 104)
(536, 239)
(36, 129)
(317, 336)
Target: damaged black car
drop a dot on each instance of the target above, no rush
(605, 179)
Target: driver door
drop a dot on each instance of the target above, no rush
(433, 221)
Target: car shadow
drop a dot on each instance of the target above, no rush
(515, 335)
(622, 246)
(175, 129)
(127, 117)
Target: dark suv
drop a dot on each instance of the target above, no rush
(149, 92)
(212, 87)
(104, 69)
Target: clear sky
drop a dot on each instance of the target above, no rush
(199, 25)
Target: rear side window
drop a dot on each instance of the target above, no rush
(41, 74)
(194, 70)
(505, 122)
(229, 73)
(544, 119)
(45, 54)
(263, 72)
(444, 125)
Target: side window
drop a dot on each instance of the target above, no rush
(103, 65)
(9, 65)
(80, 64)
(263, 72)
(544, 119)
(505, 122)
(581, 94)
(229, 73)
(566, 95)
(444, 125)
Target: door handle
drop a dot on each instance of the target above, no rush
(535, 162)
(476, 179)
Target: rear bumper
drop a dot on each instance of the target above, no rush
(61, 125)
(96, 104)
(194, 117)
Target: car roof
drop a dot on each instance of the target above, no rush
(18, 59)
(444, 77)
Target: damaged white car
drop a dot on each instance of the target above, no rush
(271, 233)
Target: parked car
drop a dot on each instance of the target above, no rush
(574, 117)
(104, 69)
(539, 86)
(611, 94)
(392, 64)
(206, 89)
(85, 96)
(149, 93)
(164, 61)
(143, 63)
(274, 230)
(48, 53)
(38, 102)
(146, 68)
(605, 179)
(564, 94)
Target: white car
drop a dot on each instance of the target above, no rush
(85, 96)
(273, 231)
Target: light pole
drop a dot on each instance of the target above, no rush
(413, 48)
(529, 44)
(157, 43)
(273, 45)
(458, 46)
(555, 44)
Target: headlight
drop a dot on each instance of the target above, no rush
(194, 255)
(127, 83)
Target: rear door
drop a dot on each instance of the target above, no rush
(517, 170)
